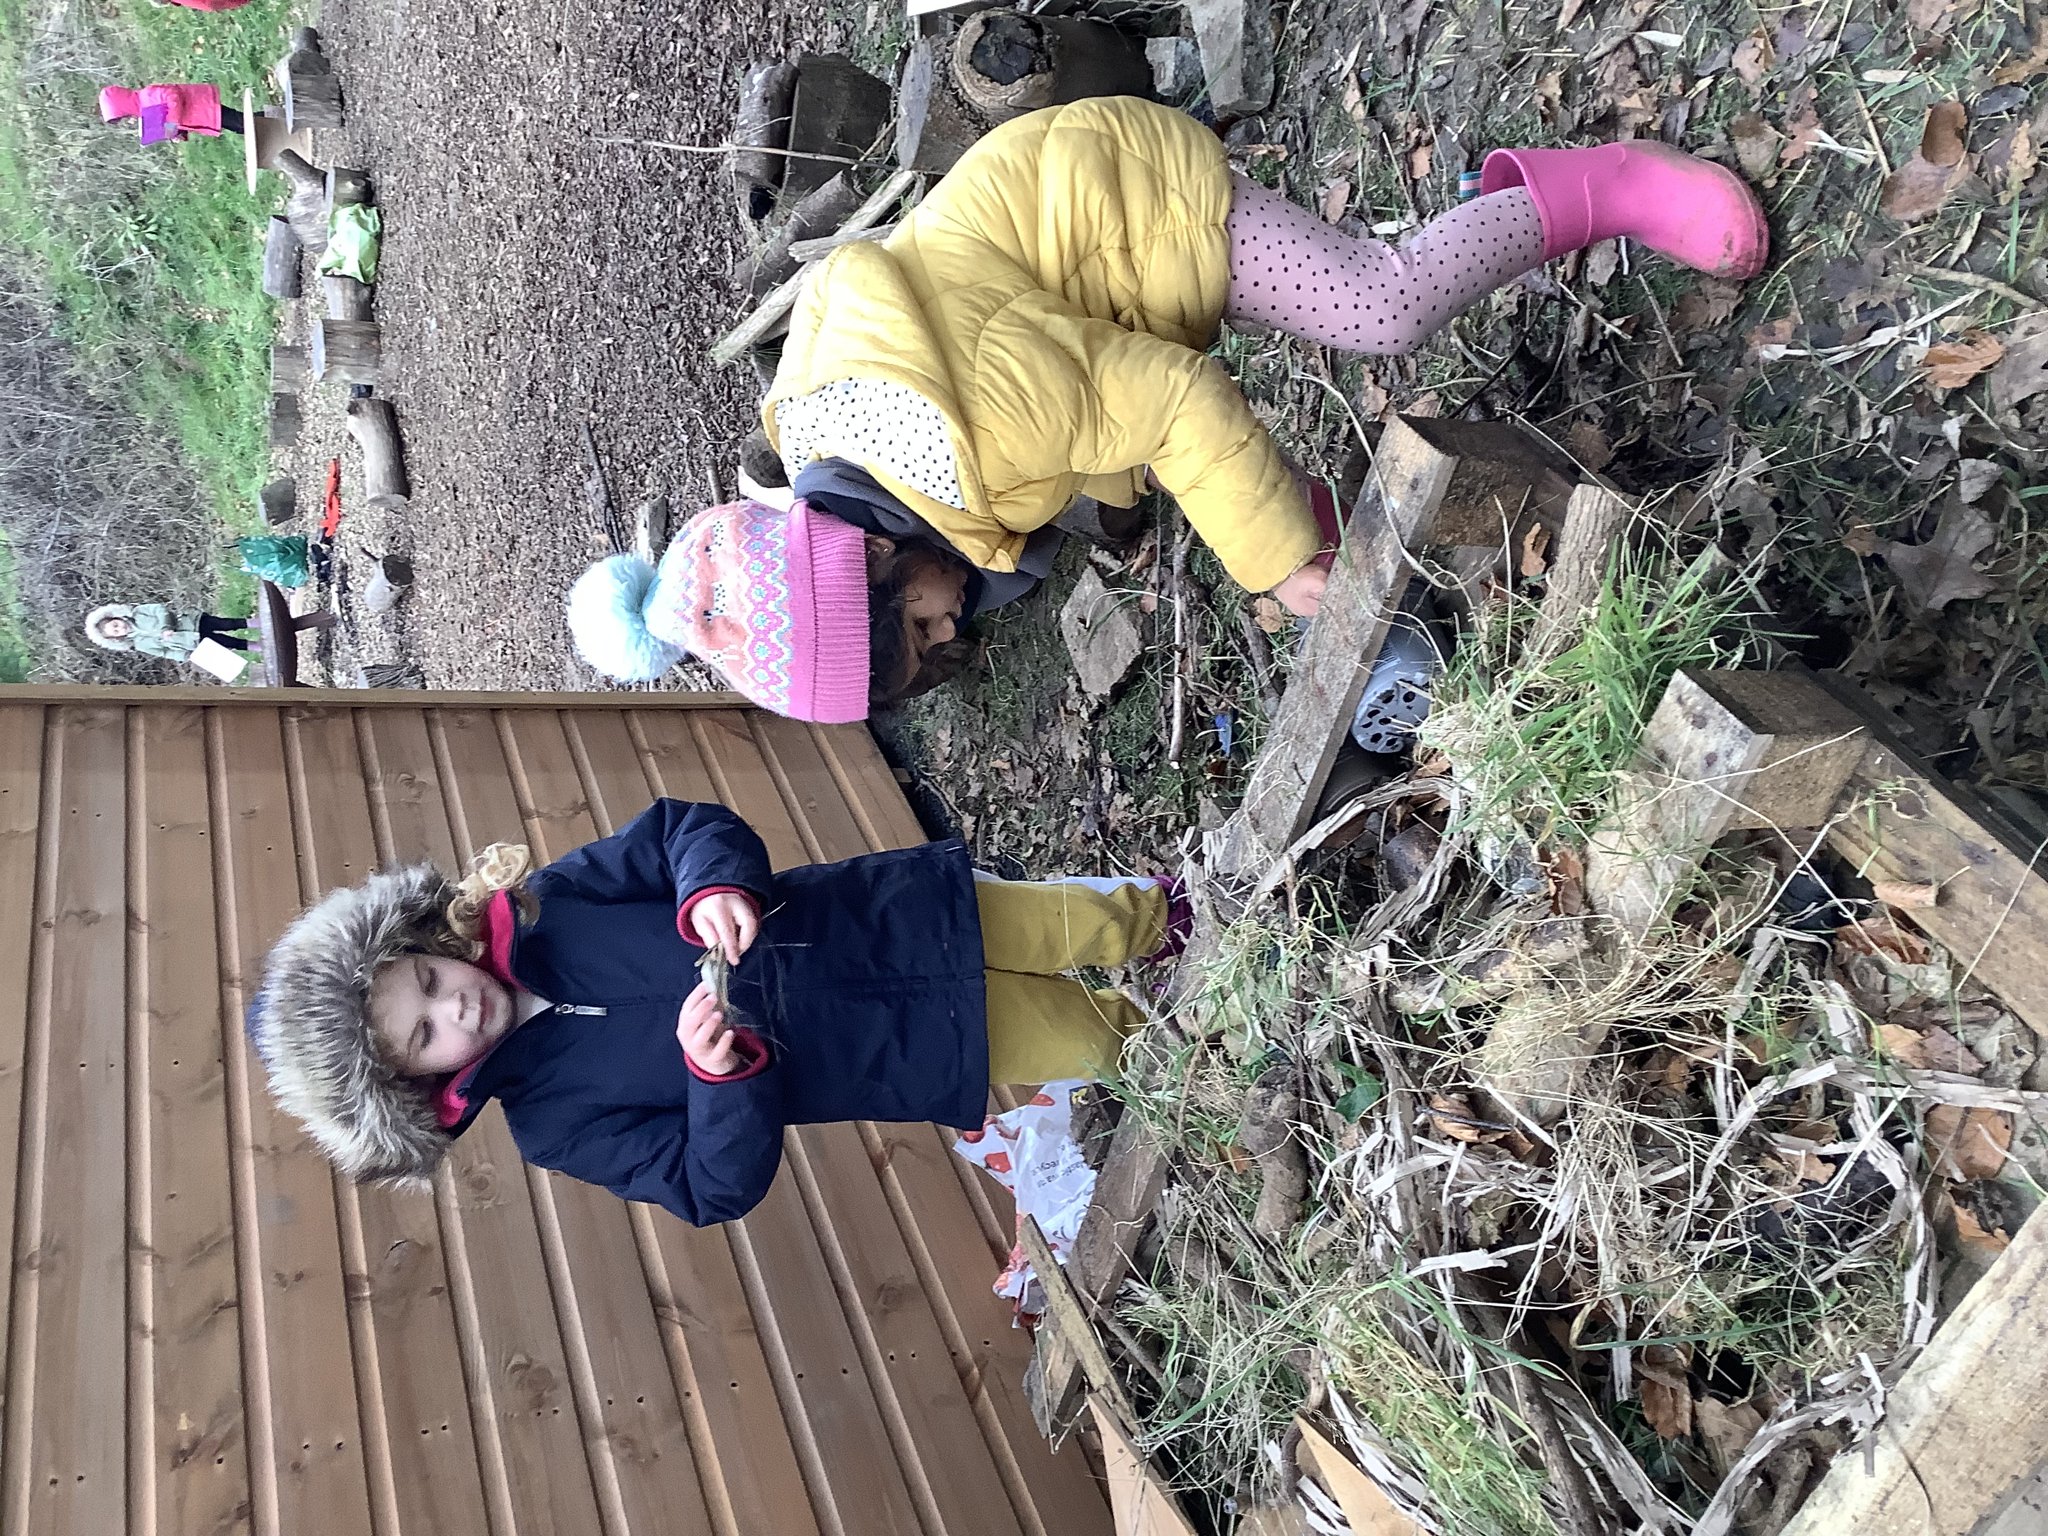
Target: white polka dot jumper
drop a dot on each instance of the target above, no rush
(1297, 272)
(886, 428)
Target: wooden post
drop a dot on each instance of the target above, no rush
(1594, 519)
(374, 426)
(1991, 910)
(349, 350)
(284, 420)
(1432, 483)
(1965, 1423)
(771, 317)
(837, 112)
(820, 212)
(287, 368)
(308, 84)
(934, 126)
(1724, 751)
(301, 173)
(347, 299)
(760, 130)
(279, 500)
(346, 187)
(281, 253)
(306, 205)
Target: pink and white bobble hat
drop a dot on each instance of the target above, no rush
(776, 601)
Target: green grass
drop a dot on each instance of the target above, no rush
(151, 256)
(14, 651)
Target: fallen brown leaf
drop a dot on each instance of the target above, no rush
(1929, 15)
(1667, 1395)
(1917, 189)
(1975, 477)
(1756, 144)
(1939, 572)
(1772, 333)
(1603, 260)
(1753, 58)
(1451, 1115)
(1802, 126)
(1269, 615)
(1967, 1143)
(1906, 895)
(2023, 372)
(1707, 303)
(1952, 364)
(1929, 1050)
(1420, 159)
(1725, 1429)
(2031, 65)
(1861, 539)
(1879, 934)
(1336, 198)
(1973, 1239)
(1535, 549)
(2022, 159)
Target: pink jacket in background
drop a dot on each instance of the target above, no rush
(167, 111)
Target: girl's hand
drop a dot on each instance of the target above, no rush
(701, 1032)
(1302, 593)
(726, 921)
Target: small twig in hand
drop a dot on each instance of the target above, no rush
(1261, 650)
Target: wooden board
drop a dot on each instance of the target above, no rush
(188, 1442)
(1964, 1424)
(1915, 826)
(67, 1368)
(306, 1454)
(419, 1442)
(752, 1475)
(23, 861)
(531, 1462)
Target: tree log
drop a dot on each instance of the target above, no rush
(279, 500)
(1006, 64)
(281, 253)
(821, 212)
(347, 299)
(287, 368)
(374, 426)
(311, 100)
(346, 186)
(761, 129)
(349, 350)
(306, 206)
(838, 113)
(304, 176)
(284, 420)
(934, 125)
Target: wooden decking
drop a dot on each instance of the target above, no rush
(207, 1333)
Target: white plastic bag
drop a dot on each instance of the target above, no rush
(1031, 1152)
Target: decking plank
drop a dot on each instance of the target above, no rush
(21, 795)
(535, 1474)
(408, 1365)
(190, 1453)
(307, 1470)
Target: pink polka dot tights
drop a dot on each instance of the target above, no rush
(1294, 271)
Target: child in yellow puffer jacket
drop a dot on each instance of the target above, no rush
(1033, 331)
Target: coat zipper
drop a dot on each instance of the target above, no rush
(578, 1008)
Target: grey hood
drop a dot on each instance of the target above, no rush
(310, 1025)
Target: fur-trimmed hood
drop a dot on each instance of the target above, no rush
(310, 1025)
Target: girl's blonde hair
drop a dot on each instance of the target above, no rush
(500, 867)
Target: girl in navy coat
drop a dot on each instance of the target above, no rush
(893, 986)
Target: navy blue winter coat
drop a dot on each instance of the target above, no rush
(865, 980)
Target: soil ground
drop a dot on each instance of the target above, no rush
(539, 279)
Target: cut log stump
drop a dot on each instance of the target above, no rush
(347, 187)
(284, 420)
(760, 134)
(282, 253)
(347, 299)
(935, 126)
(287, 368)
(279, 500)
(349, 350)
(374, 426)
(836, 115)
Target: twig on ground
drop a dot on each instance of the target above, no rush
(1182, 662)
(1976, 280)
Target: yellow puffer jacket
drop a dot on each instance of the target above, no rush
(1050, 297)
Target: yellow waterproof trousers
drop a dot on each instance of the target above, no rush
(1043, 1025)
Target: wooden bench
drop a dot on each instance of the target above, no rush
(280, 627)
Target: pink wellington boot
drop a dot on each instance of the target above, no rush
(1692, 210)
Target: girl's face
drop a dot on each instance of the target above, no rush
(116, 629)
(435, 1016)
(933, 596)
